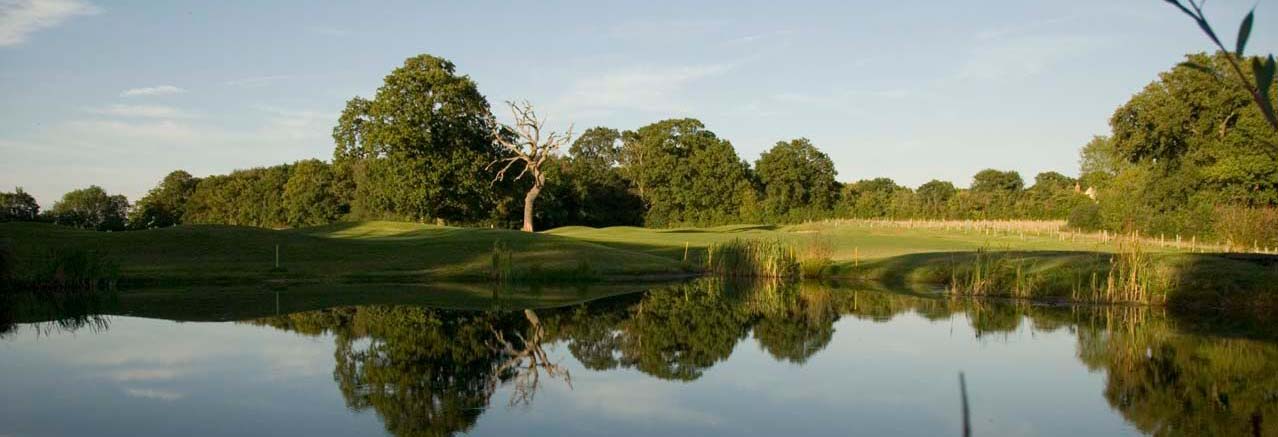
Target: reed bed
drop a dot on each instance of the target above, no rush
(71, 270)
(742, 258)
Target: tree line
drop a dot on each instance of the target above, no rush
(1182, 157)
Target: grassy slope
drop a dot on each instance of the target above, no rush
(402, 252)
(365, 250)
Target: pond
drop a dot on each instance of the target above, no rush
(701, 358)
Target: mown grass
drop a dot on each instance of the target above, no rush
(1011, 265)
(348, 252)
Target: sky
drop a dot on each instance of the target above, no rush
(119, 93)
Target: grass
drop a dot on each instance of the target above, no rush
(1030, 260)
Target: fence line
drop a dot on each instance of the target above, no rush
(1057, 229)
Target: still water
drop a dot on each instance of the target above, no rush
(701, 358)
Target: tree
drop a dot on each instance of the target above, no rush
(795, 175)
(165, 204)
(91, 208)
(1263, 69)
(18, 206)
(870, 198)
(684, 173)
(310, 195)
(1052, 181)
(992, 181)
(250, 197)
(597, 148)
(934, 195)
(1187, 144)
(1099, 162)
(601, 194)
(419, 148)
(531, 150)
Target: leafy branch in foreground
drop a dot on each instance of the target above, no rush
(1263, 69)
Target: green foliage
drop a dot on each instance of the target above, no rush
(796, 176)
(419, 148)
(18, 206)
(993, 181)
(1247, 228)
(1184, 145)
(311, 196)
(684, 173)
(8, 260)
(252, 197)
(165, 204)
(91, 208)
(934, 195)
(1086, 216)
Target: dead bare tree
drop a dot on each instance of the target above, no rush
(527, 361)
(525, 140)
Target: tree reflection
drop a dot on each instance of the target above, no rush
(433, 372)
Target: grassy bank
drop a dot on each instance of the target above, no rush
(1034, 264)
(347, 252)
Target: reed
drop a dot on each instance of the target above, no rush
(816, 257)
(7, 260)
(1132, 275)
(75, 270)
(742, 258)
(502, 266)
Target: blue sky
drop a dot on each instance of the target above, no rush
(120, 93)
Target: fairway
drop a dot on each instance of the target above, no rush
(379, 251)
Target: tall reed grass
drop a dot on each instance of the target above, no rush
(742, 258)
(76, 270)
(502, 262)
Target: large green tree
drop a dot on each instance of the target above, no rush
(311, 194)
(1189, 143)
(685, 173)
(91, 208)
(419, 148)
(18, 206)
(165, 204)
(797, 176)
(251, 197)
(995, 181)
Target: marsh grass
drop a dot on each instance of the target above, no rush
(73, 270)
(7, 261)
(994, 272)
(502, 262)
(1132, 276)
(816, 257)
(742, 258)
(503, 269)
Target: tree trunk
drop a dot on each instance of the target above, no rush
(528, 207)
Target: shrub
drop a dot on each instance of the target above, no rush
(1086, 217)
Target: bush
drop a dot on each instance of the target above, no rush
(1086, 217)
(1246, 227)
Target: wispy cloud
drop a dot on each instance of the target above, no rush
(296, 123)
(257, 80)
(20, 18)
(159, 90)
(159, 395)
(643, 88)
(141, 111)
(665, 30)
(1025, 56)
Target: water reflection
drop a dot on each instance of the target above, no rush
(430, 371)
